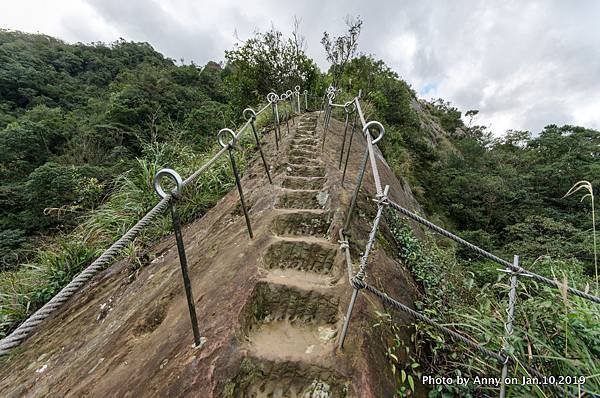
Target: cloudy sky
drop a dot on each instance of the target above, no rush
(523, 64)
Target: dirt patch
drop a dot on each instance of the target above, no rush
(303, 256)
(302, 223)
(155, 316)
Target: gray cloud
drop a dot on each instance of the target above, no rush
(523, 64)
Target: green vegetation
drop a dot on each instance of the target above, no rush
(83, 130)
(507, 195)
(74, 117)
(556, 335)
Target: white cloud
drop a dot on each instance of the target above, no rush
(402, 49)
(522, 64)
(70, 20)
(588, 113)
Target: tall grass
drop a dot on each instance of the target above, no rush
(557, 336)
(59, 259)
(586, 185)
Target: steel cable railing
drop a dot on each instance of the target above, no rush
(18, 335)
(357, 280)
(490, 256)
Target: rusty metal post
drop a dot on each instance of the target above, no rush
(297, 92)
(347, 112)
(349, 146)
(508, 327)
(180, 246)
(230, 146)
(250, 115)
(305, 100)
(361, 274)
(290, 96)
(273, 98)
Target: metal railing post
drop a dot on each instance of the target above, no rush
(250, 115)
(230, 146)
(325, 125)
(297, 91)
(344, 331)
(345, 132)
(284, 97)
(359, 178)
(328, 111)
(290, 98)
(180, 246)
(349, 145)
(508, 327)
(272, 98)
(330, 90)
(305, 100)
(277, 122)
(361, 274)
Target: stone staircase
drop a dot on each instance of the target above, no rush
(291, 326)
(270, 308)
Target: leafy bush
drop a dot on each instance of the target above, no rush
(552, 332)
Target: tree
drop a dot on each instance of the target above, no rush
(340, 50)
(471, 114)
(268, 62)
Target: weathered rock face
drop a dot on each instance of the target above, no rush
(270, 308)
(437, 136)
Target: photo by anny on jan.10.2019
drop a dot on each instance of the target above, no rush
(276, 199)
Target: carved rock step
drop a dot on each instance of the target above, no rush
(302, 223)
(311, 153)
(302, 200)
(303, 256)
(313, 150)
(305, 141)
(305, 171)
(305, 149)
(304, 160)
(281, 340)
(269, 379)
(287, 323)
(305, 133)
(304, 182)
(305, 136)
(272, 302)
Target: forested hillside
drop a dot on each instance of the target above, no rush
(84, 127)
(72, 117)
